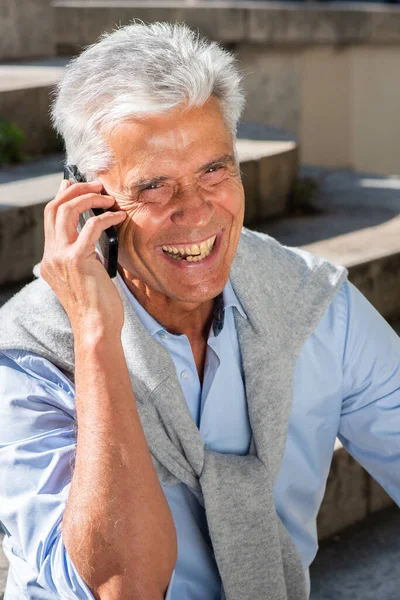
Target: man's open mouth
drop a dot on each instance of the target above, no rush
(193, 253)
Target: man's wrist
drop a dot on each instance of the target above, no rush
(93, 333)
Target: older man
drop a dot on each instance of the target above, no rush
(170, 431)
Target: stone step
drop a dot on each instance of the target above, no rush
(355, 222)
(360, 563)
(351, 495)
(22, 202)
(27, 29)
(25, 88)
(269, 171)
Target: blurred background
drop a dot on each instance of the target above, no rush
(319, 145)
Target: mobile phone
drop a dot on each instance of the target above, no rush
(107, 245)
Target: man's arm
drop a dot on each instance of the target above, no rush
(117, 527)
(37, 450)
(370, 418)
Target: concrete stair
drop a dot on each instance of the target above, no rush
(25, 88)
(351, 495)
(354, 222)
(269, 170)
(24, 192)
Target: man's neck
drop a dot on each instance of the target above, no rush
(193, 320)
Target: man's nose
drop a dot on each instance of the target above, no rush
(193, 208)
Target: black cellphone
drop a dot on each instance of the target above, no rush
(107, 245)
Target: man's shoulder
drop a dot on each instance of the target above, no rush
(33, 320)
(262, 242)
(266, 256)
(35, 304)
(37, 294)
(279, 286)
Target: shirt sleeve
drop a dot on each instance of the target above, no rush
(370, 416)
(37, 450)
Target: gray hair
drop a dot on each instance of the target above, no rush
(136, 71)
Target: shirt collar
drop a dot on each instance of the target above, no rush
(225, 300)
(230, 299)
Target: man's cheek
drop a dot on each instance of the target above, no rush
(234, 207)
(233, 199)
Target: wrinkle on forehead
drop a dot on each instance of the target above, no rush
(168, 142)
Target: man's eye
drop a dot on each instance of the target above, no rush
(156, 192)
(214, 169)
(214, 174)
(152, 186)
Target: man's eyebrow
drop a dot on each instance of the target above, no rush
(222, 160)
(142, 183)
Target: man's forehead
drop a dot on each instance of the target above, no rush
(169, 145)
(177, 129)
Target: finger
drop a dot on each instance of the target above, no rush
(68, 214)
(74, 189)
(66, 192)
(93, 229)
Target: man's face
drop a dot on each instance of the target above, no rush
(197, 206)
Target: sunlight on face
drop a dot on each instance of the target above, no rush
(176, 177)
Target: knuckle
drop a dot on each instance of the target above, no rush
(57, 261)
(64, 208)
(91, 223)
(49, 208)
(72, 258)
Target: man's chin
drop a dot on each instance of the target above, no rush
(197, 294)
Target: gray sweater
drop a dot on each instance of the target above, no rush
(284, 292)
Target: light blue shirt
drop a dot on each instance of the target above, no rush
(346, 384)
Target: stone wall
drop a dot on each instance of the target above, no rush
(26, 29)
(326, 73)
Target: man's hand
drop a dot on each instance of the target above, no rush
(70, 264)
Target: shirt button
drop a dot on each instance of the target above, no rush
(207, 447)
(185, 375)
(163, 336)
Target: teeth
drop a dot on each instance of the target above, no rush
(193, 253)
